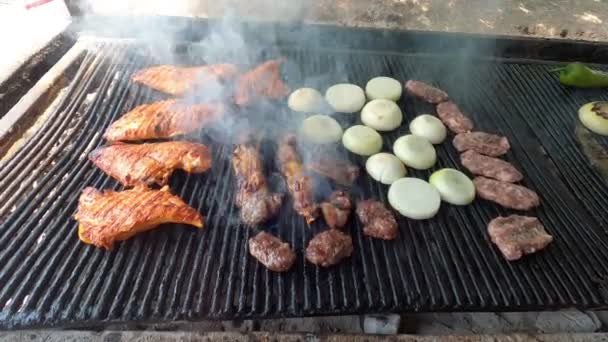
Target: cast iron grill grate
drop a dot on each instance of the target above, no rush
(49, 278)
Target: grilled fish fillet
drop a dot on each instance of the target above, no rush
(109, 216)
(263, 81)
(299, 184)
(151, 163)
(177, 80)
(162, 119)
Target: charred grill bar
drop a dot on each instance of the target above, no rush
(49, 278)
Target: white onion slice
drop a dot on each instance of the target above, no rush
(594, 116)
(385, 168)
(345, 97)
(453, 186)
(381, 115)
(306, 100)
(414, 198)
(415, 152)
(362, 140)
(428, 127)
(383, 88)
(321, 129)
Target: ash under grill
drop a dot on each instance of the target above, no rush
(49, 278)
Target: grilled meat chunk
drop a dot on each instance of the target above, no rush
(262, 82)
(490, 167)
(340, 171)
(110, 216)
(163, 119)
(426, 92)
(328, 248)
(337, 209)
(299, 184)
(271, 252)
(506, 194)
(150, 163)
(378, 222)
(453, 118)
(258, 204)
(517, 235)
(483, 143)
(176, 80)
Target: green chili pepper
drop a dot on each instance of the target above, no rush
(579, 75)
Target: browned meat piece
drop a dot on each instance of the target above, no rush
(426, 92)
(517, 235)
(453, 118)
(480, 142)
(341, 171)
(506, 194)
(177, 80)
(253, 196)
(271, 252)
(263, 81)
(110, 216)
(336, 211)
(163, 119)
(329, 247)
(378, 222)
(151, 163)
(299, 184)
(490, 167)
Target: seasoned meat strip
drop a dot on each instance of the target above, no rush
(163, 119)
(426, 92)
(378, 221)
(263, 81)
(176, 80)
(480, 142)
(150, 163)
(517, 235)
(258, 204)
(329, 247)
(453, 118)
(506, 194)
(300, 185)
(271, 252)
(105, 217)
(337, 209)
(341, 171)
(490, 167)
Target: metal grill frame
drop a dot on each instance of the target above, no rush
(124, 286)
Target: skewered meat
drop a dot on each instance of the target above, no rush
(299, 184)
(163, 119)
(271, 252)
(517, 235)
(506, 194)
(253, 196)
(480, 142)
(490, 167)
(426, 92)
(329, 247)
(340, 171)
(378, 221)
(263, 81)
(453, 118)
(151, 163)
(337, 209)
(109, 216)
(177, 80)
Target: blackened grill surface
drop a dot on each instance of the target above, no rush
(49, 278)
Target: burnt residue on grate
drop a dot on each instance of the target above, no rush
(49, 278)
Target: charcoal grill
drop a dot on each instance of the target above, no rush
(48, 278)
